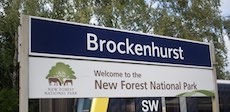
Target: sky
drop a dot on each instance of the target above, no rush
(225, 8)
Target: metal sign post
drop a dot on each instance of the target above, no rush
(24, 68)
(215, 99)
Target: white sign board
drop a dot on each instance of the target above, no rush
(70, 60)
(106, 79)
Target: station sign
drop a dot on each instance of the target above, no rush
(72, 60)
(74, 40)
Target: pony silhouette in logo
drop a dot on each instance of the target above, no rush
(67, 82)
(55, 81)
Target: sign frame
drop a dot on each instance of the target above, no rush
(25, 52)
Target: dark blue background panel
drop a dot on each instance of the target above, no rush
(52, 37)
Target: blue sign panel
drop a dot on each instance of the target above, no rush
(60, 38)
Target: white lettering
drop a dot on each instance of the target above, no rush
(155, 48)
(119, 47)
(145, 106)
(181, 53)
(102, 42)
(138, 49)
(145, 50)
(127, 47)
(94, 46)
(148, 105)
(175, 54)
(111, 46)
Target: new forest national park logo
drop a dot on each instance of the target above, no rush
(61, 75)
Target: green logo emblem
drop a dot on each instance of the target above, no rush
(61, 74)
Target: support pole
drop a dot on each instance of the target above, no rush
(215, 99)
(23, 60)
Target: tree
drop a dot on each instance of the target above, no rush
(61, 71)
(75, 10)
(8, 100)
(9, 23)
(123, 14)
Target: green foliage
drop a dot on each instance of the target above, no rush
(9, 21)
(122, 14)
(81, 11)
(61, 71)
(75, 10)
(8, 100)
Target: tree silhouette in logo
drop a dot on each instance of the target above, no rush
(60, 74)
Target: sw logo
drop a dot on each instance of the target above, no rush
(150, 105)
(61, 74)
